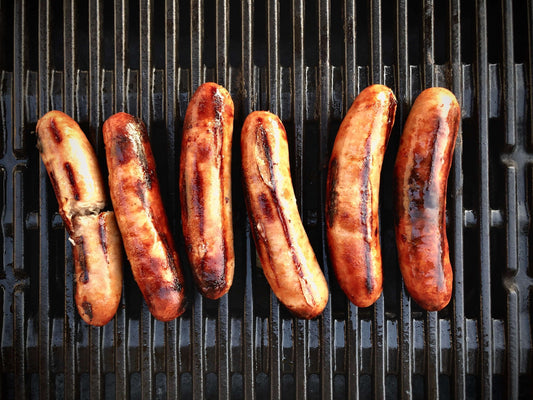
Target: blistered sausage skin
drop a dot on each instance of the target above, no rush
(141, 218)
(286, 256)
(205, 189)
(352, 197)
(77, 182)
(421, 174)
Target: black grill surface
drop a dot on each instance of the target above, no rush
(305, 61)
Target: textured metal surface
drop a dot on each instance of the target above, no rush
(306, 61)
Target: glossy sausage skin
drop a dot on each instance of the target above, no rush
(205, 189)
(77, 181)
(421, 174)
(352, 197)
(141, 218)
(286, 255)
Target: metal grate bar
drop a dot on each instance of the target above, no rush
(274, 107)
(69, 90)
(248, 105)
(171, 121)
(197, 34)
(404, 101)
(457, 209)
(146, 326)
(223, 327)
(298, 76)
(324, 103)
(379, 333)
(44, 251)
(120, 104)
(95, 66)
(350, 88)
(512, 191)
(432, 326)
(482, 85)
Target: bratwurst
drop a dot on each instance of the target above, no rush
(420, 181)
(284, 250)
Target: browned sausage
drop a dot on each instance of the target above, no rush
(141, 218)
(286, 255)
(77, 181)
(421, 175)
(205, 189)
(352, 196)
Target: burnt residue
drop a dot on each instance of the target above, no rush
(55, 132)
(87, 309)
(80, 258)
(72, 180)
(367, 217)
(102, 233)
(332, 194)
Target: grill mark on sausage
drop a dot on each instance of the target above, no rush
(102, 232)
(366, 213)
(218, 105)
(87, 309)
(198, 200)
(261, 134)
(84, 277)
(72, 181)
(55, 132)
(332, 195)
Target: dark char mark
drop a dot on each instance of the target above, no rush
(366, 212)
(54, 184)
(87, 309)
(84, 277)
(72, 180)
(262, 134)
(198, 198)
(57, 135)
(103, 235)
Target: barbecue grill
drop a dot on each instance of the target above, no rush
(305, 61)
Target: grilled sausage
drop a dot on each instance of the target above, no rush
(352, 196)
(421, 174)
(75, 175)
(286, 255)
(205, 189)
(141, 218)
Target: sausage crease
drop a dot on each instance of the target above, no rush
(141, 218)
(286, 255)
(352, 197)
(205, 189)
(421, 175)
(73, 169)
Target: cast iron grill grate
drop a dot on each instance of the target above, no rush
(305, 61)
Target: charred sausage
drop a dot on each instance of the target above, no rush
(141, 218)
(286, 255)
(352, 197)
(77, 182)
(421, 174)
(205, 189)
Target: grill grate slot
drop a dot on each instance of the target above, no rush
(305, 61)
